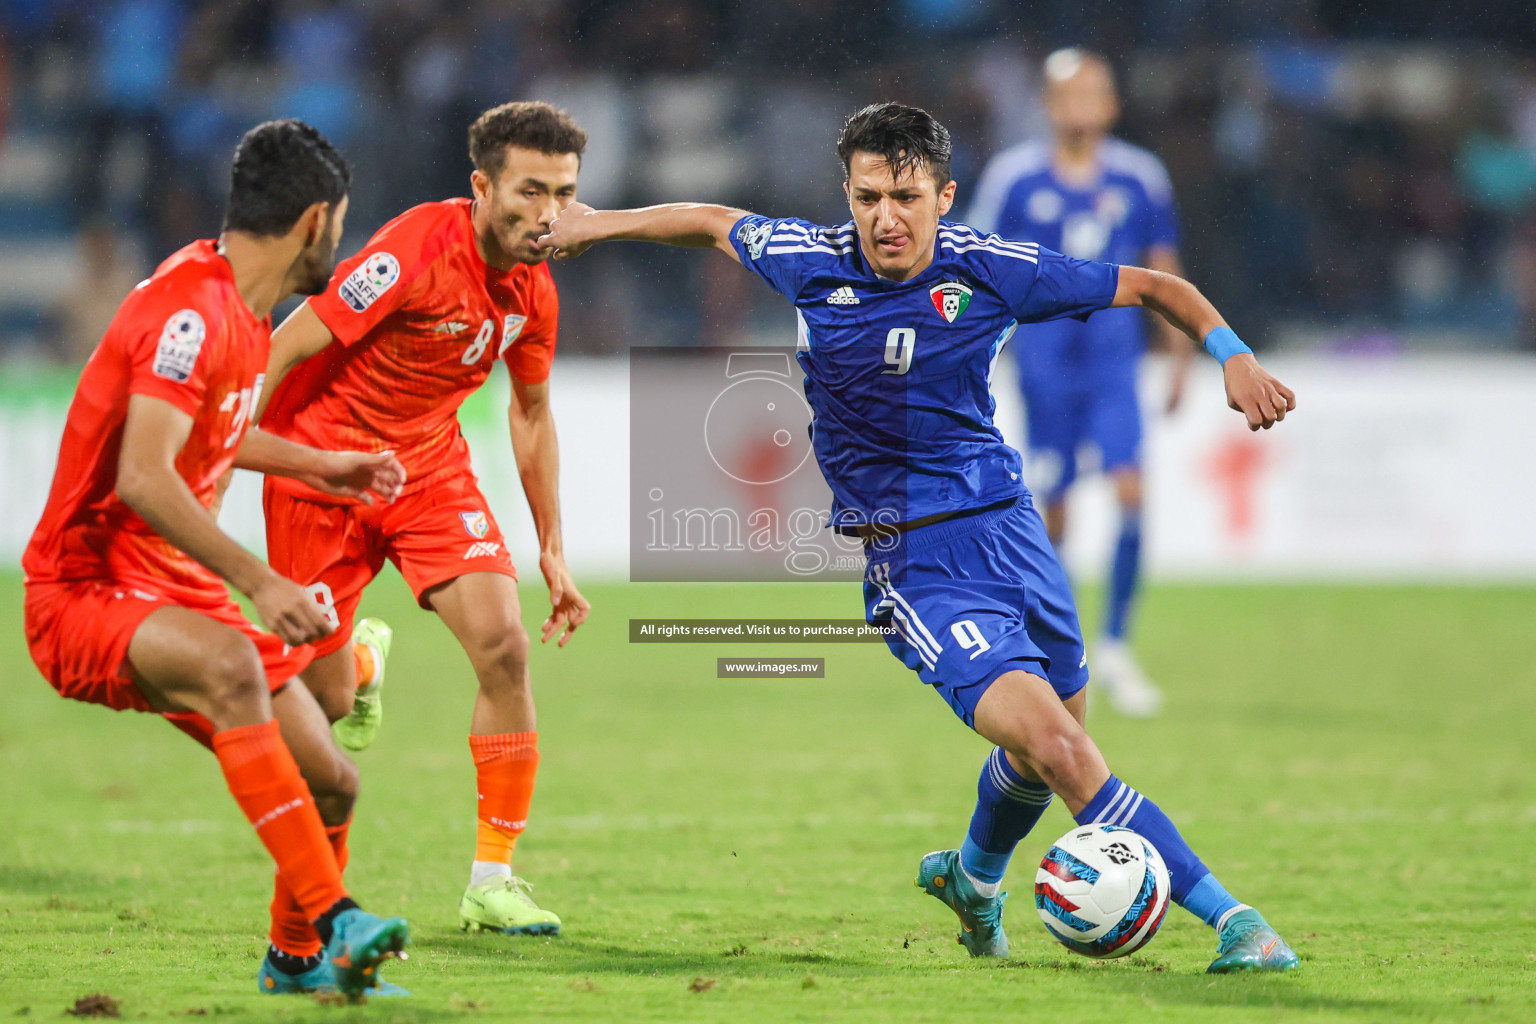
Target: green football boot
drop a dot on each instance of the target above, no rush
(981, 919)
(361, 726)
(1248, 943)
(505, 905)
(360, 941)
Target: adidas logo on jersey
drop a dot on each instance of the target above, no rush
(482, 549)
(843, 297)
(450, 327)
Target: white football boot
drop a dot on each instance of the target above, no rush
(1121, 680)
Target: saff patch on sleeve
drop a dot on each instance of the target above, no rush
(180, 341)
(373, 277)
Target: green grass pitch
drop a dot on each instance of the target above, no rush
(1358, 762)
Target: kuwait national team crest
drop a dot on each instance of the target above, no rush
(950, 299)
(475, 523)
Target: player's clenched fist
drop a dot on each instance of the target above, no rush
(568, 234)
(1254, 392)
(288, 610)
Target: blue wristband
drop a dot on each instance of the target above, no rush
(1223, 343)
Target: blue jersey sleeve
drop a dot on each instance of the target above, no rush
(1063, 286)
(778, 251)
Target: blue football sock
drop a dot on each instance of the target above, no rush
(1124, 576)
(1194, 887)
(1007, 807)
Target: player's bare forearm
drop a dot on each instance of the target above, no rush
(691, 225)
(537, 451)
(1174, 299)
(1165, 260)
(154, 433)
(267, 453)
(346, 474)
(1251, 390)
(148, 483)
(535, 446)
(300, 336)
(1179, 346)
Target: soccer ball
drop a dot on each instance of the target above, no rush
(1102, 891)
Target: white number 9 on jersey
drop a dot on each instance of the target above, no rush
(898, 349)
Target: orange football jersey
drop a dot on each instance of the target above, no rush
(419, 320)
(184, 336)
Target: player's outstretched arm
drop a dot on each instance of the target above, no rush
(691, 225)
(1178, 344)
(360, 475)
(153, 435)
(534, 445)
(1251, 389)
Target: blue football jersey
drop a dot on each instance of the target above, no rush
(898, 373)
(1117, 219)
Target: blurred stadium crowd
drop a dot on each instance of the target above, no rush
(1347, 175)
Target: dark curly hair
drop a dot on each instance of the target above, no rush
(527, 125)
(904, 137)
(281, 169)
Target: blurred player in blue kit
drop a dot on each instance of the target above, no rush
(1088, 195)
(901, 317)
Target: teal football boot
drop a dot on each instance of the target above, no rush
(360, 941)
(274, 982)
(1248, 943)
(981, 919)
(361, 726)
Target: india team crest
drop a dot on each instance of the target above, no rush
(511, 327)
(475, 523)
(950, 299)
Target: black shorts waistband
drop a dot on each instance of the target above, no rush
(920, 533)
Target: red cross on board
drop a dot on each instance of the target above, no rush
(1234, 468)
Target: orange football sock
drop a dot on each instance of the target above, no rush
(505, 767)
(292, 931)
(362, 661)
(265, 781)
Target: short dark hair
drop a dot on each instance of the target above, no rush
(527, 124)
(281, 169)
(902, 136)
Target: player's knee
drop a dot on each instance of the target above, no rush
(501, 654)
(1062, 755)
(332, 680)
(335, 791)
(336, 701)
(1128, 491)
(233, 677)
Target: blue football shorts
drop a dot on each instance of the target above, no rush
(975, 597)
(1070, 402)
